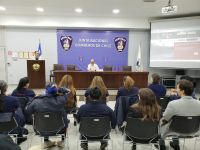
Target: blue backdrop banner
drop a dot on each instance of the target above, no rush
(80, 46)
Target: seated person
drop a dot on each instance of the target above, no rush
(185, 106)
(92, 66)
(97, 81)
(96, 109)
(147, 107)
(174, 93)
(71, 104)
(22, 89)
(50, 102)
(6, 143)
(128, 89)
(10, 104)
(158, 89)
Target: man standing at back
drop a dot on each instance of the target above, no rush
(185, 106)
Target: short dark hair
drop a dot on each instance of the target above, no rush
(3, 87)
(186, 78)
(186, 86)
(95, 93)
(22, 83)
(156, 78)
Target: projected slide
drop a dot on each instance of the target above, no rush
(175, 44)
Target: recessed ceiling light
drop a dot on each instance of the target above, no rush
(40, 9)
(2, 8)
(78, 10)
(115, 11)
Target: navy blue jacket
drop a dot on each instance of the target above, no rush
(122, 91)
(96, 109)
(158, 89)
(23, 93)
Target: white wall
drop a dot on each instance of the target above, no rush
(27, 39)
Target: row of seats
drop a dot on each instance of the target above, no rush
(136, 129)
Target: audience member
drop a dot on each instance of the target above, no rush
(147, 107)
(128, 89)
(185, 106)
(174, 94)
(51, 102)
(10, 104)
(22, 89)
(158, 89)
(97, 82)
(92, 66)
(96, 109)
(6, 143)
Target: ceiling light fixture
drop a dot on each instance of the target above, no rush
(40, 9)
(78, 10)
(170, 8)
(115, 11)
(2, 8)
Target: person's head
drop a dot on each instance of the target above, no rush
(155, 78)
(128, 82)
(66, 81)
(186, 78)
(185, 88)
(95, 93)
(148, 105)
(3, 87)
(92, 61)
(51, 89)
(97, 81)
(23, 83)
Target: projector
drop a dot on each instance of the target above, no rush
(169, 9)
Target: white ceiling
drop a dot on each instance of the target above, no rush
(99, 8)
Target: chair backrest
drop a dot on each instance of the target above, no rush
(95, 126)
(141, 129)
(71, 67)
(48, 123)
(163, 102)
(107, 68)
(126, 68)
(58, 67)
(185, 124)
(7, 123)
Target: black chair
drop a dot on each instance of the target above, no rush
(126, 68)
(8, 124)
(55, 67)
(184, 127)
(71, 67)
(163, 102)
(94, 129)
(49, 124)
(141, 131)
(107, 68)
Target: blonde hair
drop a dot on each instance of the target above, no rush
(97, 81)
(67, 82)
(128, 82)
(148, 105)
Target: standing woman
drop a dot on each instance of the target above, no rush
(147, 108)
(22, 89)
(97, 81)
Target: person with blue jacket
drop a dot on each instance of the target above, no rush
(22, 89)
(53, 100)
(95, 108)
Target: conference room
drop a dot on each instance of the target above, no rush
(45, 43)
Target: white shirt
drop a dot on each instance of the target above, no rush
(93, 67)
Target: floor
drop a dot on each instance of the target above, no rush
(34, 142)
